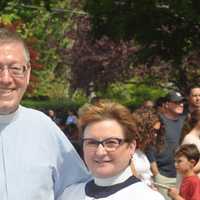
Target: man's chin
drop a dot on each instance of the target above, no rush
(6, 109)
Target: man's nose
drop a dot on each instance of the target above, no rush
(5, 76)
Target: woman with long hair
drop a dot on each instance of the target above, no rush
(151, 135)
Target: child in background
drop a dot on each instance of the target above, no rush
(186, 157)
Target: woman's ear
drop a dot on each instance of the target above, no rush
(132, 147)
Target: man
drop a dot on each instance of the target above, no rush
(194, 99)
(36, 159)
(172, 119)
(52, 115)
(148, 104)
(192, 105)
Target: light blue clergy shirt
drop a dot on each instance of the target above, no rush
(37, 162)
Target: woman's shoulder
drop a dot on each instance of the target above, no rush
(191, 139)
(141, 191)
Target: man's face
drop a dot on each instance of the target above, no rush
(194, 98)
(175, 107)
(12, 88)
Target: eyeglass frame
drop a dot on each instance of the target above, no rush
(24, 68)
(102, 142)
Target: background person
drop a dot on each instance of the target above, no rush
(36, 160)
(172, 117)
(108, 135)
(194, 99)
(52, 114)
(151, 134)
(186, 157)
(71, 118)
(193, 136)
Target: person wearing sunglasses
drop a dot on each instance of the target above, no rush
(172, 117)
(151, 135)
(109, 137)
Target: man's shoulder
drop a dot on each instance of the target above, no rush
(33, 115)
(73, 192)
(142, 191)
(181, 118)
(33, 112)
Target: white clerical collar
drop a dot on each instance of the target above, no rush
(5, 119)
(115, 179)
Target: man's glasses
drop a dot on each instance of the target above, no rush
(15, 70)
(109, 144)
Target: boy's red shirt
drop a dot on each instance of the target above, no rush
(190, 188)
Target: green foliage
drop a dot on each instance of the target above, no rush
(57, 104)
(167, 31)
(133, 94)
(74, 101)
(46, 29)
(153, 39)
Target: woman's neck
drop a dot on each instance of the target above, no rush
(195, 131)
(115, 179)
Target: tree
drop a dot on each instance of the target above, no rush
(34, 56)
(97, 61)
(167, 32)
(43, 26)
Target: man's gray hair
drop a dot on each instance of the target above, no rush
(7, 36)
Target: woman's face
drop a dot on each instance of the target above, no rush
(101, 162)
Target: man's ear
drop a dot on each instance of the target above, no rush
(28, 75)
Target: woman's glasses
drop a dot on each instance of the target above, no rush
(109, 144)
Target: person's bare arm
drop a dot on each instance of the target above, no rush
(154, 168)
(173, 193)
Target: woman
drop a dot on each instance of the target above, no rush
(151, 134)
(193, 136)
(109, 140)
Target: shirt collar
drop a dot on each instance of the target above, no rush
(115, 179)
(6, 119)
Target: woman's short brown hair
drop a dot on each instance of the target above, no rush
(105, 110)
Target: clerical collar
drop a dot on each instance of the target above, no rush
(109, 186)
(115, 179)
(6, 119)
